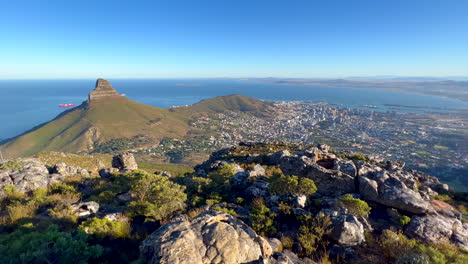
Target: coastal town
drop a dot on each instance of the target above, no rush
(436, 142)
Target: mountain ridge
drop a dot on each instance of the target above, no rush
(107, 115)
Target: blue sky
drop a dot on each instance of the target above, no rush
(224, 38)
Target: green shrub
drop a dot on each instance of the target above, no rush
(214, 198)
(262, 219)
(281, 184)
(106, 228)
(17, 211)
(226, 210)
(155, 196)
(356, 207)
(312, 233)
(359, 156)
(46, 246)
(287, 242)
(12, 166)
(396, 247)
(62, 188)
(404, 220)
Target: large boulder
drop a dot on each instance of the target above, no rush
(394, 193)
(31, 176)
(437, 228)
(211, 237)
(330, 182)
(326, 174)
(124, 161)
(347, 229)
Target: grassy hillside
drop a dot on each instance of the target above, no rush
(96, 123)
(81, 128)
(234, 102)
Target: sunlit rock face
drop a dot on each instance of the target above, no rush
(103, 89)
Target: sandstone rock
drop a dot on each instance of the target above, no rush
(103, 89)
(115, 217)
(211, 237)
(240, 179)
(438, 228)
(107, 172)
(66, 171)
(257, 189)
(395, 165)
(347, 230)
(85, 209)
(124, 161)
(34, 175)
(277, 157)
(392, 192)
(257, 170)
(275, 244)
(56, 178)
(345, 166)
(323, 147)
(330, 182)
(369, 189)
(300, 201)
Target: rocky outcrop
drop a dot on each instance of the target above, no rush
(211, 237)
(391, 189)
(437, 228)
(331, 178)
(347, 230)
(103, 89)
(124, 161)
(64, 170)
(31, 176)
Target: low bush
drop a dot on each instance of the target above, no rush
(312, 233)
(281, 184)
(355, 206)
(262, 219)
(26, 245)
(106, 228)
(155, 196)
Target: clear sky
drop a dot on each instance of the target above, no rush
(232, 38)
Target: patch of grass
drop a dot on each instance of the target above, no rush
(12, 166)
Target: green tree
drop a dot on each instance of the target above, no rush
(155, 196)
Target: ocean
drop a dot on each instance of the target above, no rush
(28, 103)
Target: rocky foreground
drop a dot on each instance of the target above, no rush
(245, 216)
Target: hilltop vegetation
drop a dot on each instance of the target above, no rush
(302, 203)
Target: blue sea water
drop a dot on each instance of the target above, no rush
(28, 103)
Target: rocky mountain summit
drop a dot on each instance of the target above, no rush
(103, 89)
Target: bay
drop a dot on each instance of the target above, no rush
(28, 103)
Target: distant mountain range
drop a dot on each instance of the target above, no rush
(107, 115)
(456, 89)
